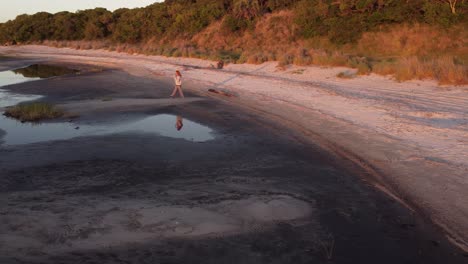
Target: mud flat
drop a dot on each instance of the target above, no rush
(411, 137)
(238, 188)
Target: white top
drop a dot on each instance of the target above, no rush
(177, 80)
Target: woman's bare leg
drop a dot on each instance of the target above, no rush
(174, 91)
(180, 91)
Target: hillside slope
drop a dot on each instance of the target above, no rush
(408, 39)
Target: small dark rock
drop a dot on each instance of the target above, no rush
(220, 64)
(220, 92)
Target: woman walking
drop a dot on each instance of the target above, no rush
(178, 84)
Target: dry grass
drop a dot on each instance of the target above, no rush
(444, 69)
(385, 67)
(33, 112)
(403, 51)
(418, 52)
(79, 44)
(328, 246)
(414, 40)
(272, 39)
(323, 58)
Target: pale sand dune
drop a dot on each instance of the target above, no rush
(414, 135)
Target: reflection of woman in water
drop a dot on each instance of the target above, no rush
(179, 123)
(178, 84)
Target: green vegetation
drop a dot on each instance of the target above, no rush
(343, 21)
(33, 112)
(325, 32)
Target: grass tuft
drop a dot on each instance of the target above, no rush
(33, 112)
(328, 246)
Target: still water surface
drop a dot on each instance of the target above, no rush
(18, 133)
(31, 73)
(8, 98)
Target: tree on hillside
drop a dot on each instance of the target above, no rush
(280, 4)
(98, 23)
(68, 26)
(128, 25)
(27, 28)
(189, 19)
(248, 9)
(3, 34)
(41, 24)
(452, 4)
(341, 21)
(158, 20)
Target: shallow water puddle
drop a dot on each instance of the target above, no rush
(11, 77)
(7, 98)
(31, 73)
(18, 133)
(165, 125)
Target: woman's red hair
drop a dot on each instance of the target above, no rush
(178, 73)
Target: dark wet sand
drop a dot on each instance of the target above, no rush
(99, 199)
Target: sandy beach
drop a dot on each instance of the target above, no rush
(390, 157)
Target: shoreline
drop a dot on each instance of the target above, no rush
(398, 134)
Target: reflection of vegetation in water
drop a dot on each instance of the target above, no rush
(33, 112)
(43, 71)
(2, 134)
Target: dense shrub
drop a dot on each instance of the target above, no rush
(232, 24)
(343, 21)
(274, 5)
(369, 35)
